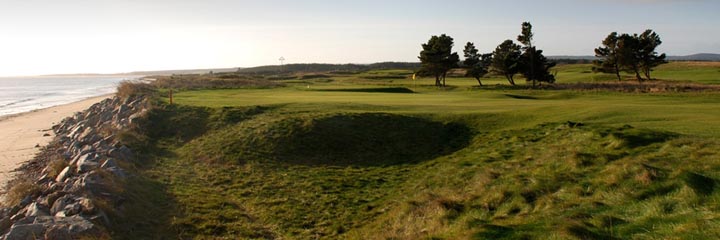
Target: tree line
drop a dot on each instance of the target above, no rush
(508, 59)
(634, 54)
(630, 53)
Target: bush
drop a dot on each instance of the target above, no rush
(19, 191)
(129, 89)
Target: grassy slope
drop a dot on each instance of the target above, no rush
(516, 177)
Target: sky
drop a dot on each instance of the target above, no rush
(114, 36)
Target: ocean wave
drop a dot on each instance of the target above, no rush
(16, 102)
(30, 94)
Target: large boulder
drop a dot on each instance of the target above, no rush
(26, 232)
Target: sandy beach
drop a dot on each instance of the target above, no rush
(20, 134)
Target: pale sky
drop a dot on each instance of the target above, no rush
(111, 36)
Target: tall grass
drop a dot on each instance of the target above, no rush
(131, 88)
(212, 81)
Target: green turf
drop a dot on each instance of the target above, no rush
(690, 113)
(701, 72)
(353, 162)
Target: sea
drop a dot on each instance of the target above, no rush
(24, 94)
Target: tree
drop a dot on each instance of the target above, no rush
(505, 60)
(536, 67)
(526, 35)
(648, 57)
(477, 64)
(437, 58)
(527, 59)
(630, 53)
(533, 65)
(628, 56)
(608, 55)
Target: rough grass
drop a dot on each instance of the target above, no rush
(212, 81)
(20, 189)
(558, 180)
(128, 89)
(523, 164)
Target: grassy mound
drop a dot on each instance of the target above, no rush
(364, 139)
(281, 172)
(564, 181)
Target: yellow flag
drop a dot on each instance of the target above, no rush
(413, 76)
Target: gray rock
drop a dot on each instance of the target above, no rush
(26, 231)
(86, 149)
(91, 182)
(136, 102)
(43, 179)
(17, 216)
(101, 145)
(52, 197)
(106, 116)
(86, 162)
(117, 172)
(63, 174)
(123, 153)
(36, 210)
(76, 130)
(87, 206)
(109, 163)
(72, 209)
(25, 201)
(87, 166)
(101, 217)
(53, 188)
(61, 203)
(5, 224)
(58, 232)
(26, 220)
(88, 135)
(135, 116)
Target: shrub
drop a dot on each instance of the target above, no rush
(19, 191)
(128, 89)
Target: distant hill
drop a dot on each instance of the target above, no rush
(568, 57)
(323, 67)
(351, 67)
(696, 57)
(300, 67)
(693, 57)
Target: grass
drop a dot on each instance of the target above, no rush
(689, 113)
(700, 72)
(340, 159)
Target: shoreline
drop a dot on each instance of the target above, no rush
(23, 133)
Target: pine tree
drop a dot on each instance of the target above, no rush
(437, 58)
(536, 67)
(628, 54)
(608, 55)
(505, 60)
(476, 64)
(648, 57)
(533, 65)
